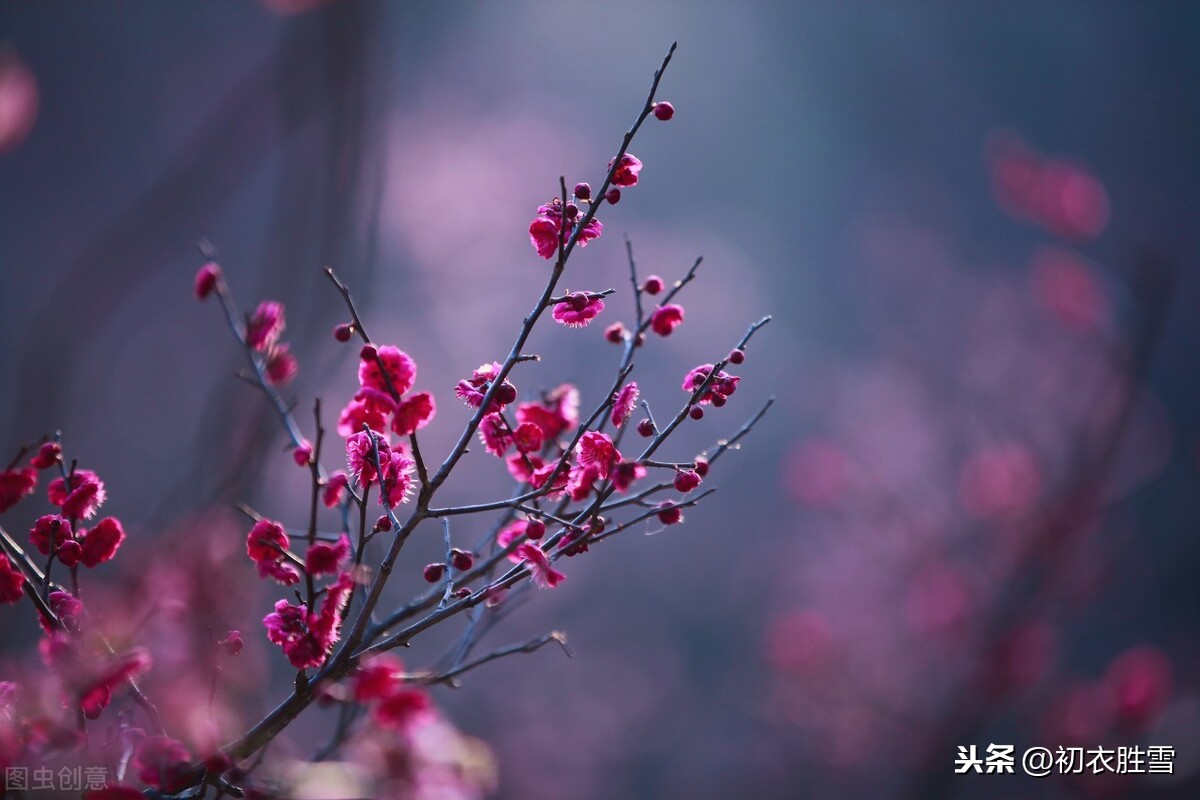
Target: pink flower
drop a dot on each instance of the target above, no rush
(666, 319)
(597, 450)
(281, 366)
(522, 466)
(626, 473)
(624, 401)
(722, 386)
(528, 437)
(472, 391)
(401, 369)
(543, 234)
(360, 455)
(578, 310)
(369, 407)
(686, 480)
(67, 609)
(101, 542)
(542, 474)
(581, 481)
(85, 497)
(404, 709)
(47, 456)
(288, 627)
(163, 762)
(307, 638)
(509, 534)
(11, 581)
(547, 229)
(544, 575)
(557, 414)
(206, 280)
(302, 455)
(493, 432)
(324, 558)
(397, 479)
(16, 484)
(265, 545)
(334, 488)
(414, 413)
(266, 541)
(265, 326)
(49, 532)
(669, 513)
(627, 171)
(378, 677)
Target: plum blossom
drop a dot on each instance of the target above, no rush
(84, 498)
(369, 407)
(626, 474)
(686, 480)
(281, 366)
(397, 481)
(335, 487)
(49, 454)
(596, 450)
(401, 370)
(578, 310)
(626, 173)
(360, 455)
(305, 637)
(413, 413)
(557, 414)
(49, 532)
(544, 575)
(528, 437)
(666, 319)
(11, 581)
(206, 280)
(718, 391)
(325, 558)
(16, 484)
(265, 544)
(265, 326)
(473, 390)
(547, 229)
(624, 401)
(101, 542)
(494, 434)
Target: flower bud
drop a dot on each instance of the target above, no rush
(69, 552)
(535, 529)
(701, 466)
(696, 413)
(737, 356)
(615, 333)
(368, 352)
(645, 428)
(506, 394)
(653, 285)
(613, 196)
(232, 643)
(461, 559)
(583, 191)
(206, 280)
(343, 332)
(663, 111)
(433, 572)
(686, 480)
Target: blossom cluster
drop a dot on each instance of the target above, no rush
(578, 479)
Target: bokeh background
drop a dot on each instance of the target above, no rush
(971, 515)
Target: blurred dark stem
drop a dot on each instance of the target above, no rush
(1049, 548)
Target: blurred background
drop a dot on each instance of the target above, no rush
(970, 517)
